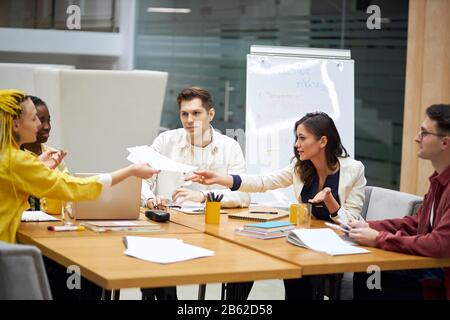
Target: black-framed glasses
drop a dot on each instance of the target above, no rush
(424, 133)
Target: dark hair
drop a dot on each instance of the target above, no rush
(320, 124)
(441, 114)
(36, 101)
(191, 93)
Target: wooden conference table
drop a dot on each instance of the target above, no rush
(101, 259)
(237, 258)
(311, 262)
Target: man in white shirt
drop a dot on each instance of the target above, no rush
(197, 144)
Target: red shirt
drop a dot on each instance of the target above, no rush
(414, 234)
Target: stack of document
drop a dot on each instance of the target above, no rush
(323, 240)
(145, 154)
(37, 216)
(163, 250)
(266, 230)
(122, 226)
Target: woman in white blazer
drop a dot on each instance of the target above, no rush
(321, 172)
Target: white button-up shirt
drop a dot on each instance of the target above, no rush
(222, 155)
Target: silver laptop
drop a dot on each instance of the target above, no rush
(122, 202)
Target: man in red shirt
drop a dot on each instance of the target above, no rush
(425, 234)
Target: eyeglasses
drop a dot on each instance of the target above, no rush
(423, 133)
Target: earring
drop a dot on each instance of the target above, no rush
(16, 137)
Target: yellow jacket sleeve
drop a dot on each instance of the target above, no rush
(32, 176)
(22, 174)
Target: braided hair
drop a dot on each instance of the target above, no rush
(10, 109)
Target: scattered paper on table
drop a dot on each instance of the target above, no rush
(36, 216)
(163, 250)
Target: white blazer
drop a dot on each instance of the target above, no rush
(351, 184)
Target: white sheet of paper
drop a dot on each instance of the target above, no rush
(185, 203)
(163, 250)
(187, 206)
(144, 154)
(326, 240)
(199, 210)
(36, 216)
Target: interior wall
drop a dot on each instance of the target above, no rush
(427, 82)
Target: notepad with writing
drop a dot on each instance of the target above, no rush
(246, 215)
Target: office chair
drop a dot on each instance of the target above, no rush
(379, 204)
(22, 273)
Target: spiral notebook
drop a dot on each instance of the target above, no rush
(246, 215)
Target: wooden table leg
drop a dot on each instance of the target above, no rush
(116, 294)
(201, 291)
(106, 294)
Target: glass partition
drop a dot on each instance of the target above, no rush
(206, 45)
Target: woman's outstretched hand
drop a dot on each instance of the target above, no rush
(204, 177)
(210, 177)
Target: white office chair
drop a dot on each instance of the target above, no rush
(22, 273)
(379, 204)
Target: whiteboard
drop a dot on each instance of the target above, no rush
(280, 90)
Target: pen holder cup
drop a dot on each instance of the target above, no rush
(212, 212)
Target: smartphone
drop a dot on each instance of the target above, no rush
(344, 223)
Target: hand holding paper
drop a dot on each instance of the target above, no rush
(144, 154)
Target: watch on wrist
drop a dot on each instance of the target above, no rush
(334, 214)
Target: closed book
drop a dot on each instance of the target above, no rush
(122, 226)
(270, 226)
(123, 223)
(261, 235)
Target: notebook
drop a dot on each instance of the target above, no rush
(123, 223)
(270, 226)
(246, 215)
(323, 240)
(122, 226)
(261, 235)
